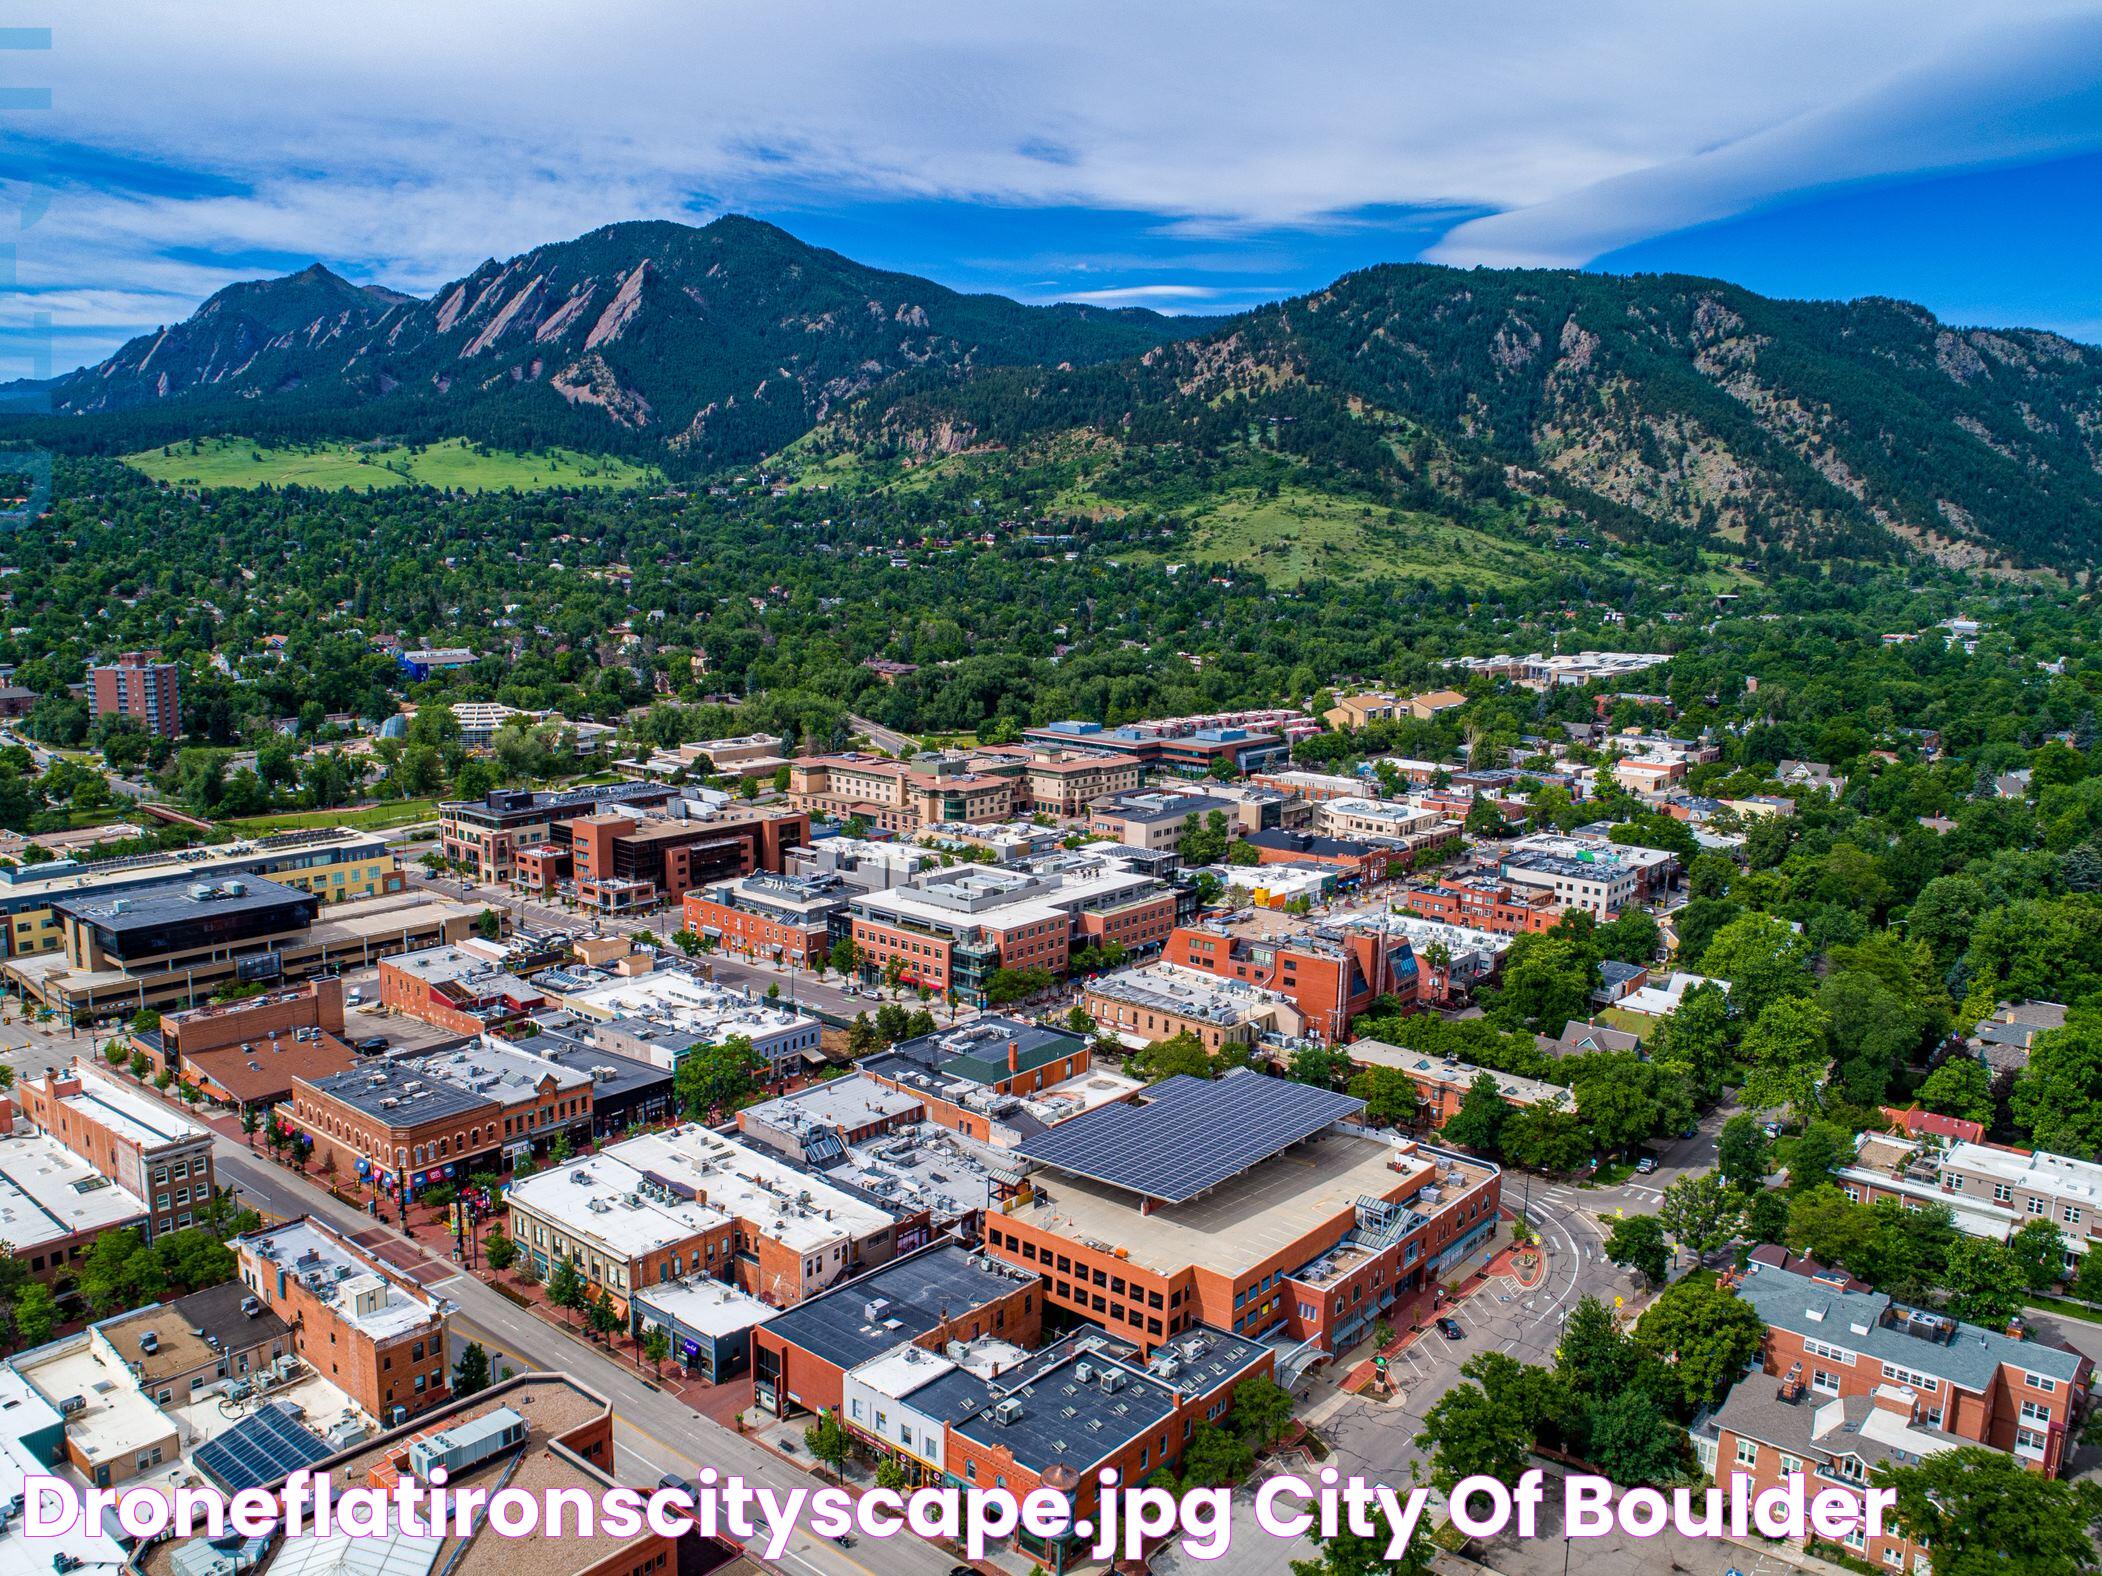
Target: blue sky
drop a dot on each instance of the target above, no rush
(1191, 158)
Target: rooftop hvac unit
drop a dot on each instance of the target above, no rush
(469, 1444)
(149, 1343)
(1112, 1380)
(1008, 1411)
(252, 1307)
(1083, 1372)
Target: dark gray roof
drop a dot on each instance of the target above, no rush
(978, 1050)
(217, 1311)
(916, 1293)
(1063, 1417)
(1872, 1324)
(1190, 1134)
(367, 1089)
(163, 902)
(1817, 1427)
(566, 1047)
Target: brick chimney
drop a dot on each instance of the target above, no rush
(1014, 1057)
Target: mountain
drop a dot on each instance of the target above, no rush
(1642, 405)
(1668, 408)
(716, 344)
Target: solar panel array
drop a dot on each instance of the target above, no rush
(264, 1446)
(1191, 1134)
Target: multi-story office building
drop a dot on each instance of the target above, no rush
(1157, 1216)
(1146, 1006)
(1330, 975)
(486, 834)
(332, 864)
(788, 919)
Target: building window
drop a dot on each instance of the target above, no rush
(1747, 1452)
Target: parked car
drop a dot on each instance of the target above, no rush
(1646, 1165)
(1450, 1329)
(370, 1044)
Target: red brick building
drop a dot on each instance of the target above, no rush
(1329, 978)
(142, 688)
(1836, 1337)
(375, 1333)
(1485, 903)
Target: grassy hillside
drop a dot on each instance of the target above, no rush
(241, 462)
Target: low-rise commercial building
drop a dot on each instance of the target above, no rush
(1442, 1082)
(1487, 903)
(709, 1322)
(404, 1125)
(795, 1232)
(53, 1204)
(141, 1145)
(455, 989)
(943, 1293)
(660, 1015)
(368, 1328)
(622, 1230)
(1145, 1006)
(788, 919)
(486, 834)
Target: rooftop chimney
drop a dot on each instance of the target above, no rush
(1014, 1057)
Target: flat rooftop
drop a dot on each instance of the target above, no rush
(341, 1276)
(1269, 1210)
(896, 1302)
(702, 1303)
(47, 1193)
(115, 1420)
(1190, 1135)
(796, 1208)
(1186, 992)
(132, 1117)
(179, 899)
(611, 1202)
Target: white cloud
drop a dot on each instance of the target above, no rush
(407, 141)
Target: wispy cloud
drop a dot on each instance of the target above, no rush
(404, 142)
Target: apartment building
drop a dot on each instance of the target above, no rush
(1155, 1216)
(141, 1145)
(1145, 1006)
(1315, 787)
(1652, 869)
(1395, 820)
(1991, 1191)
(1356, 711)
(139, 686)
(1598, 884)
(1155, 821)
(862, 864)
(369, 1329)
(1330, 976)
(1838, 1338)
(900, 796)
(1062, 784)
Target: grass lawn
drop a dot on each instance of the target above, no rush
(371, 817)
(1299, 535)
(240, 462)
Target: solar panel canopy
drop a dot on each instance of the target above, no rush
(262, 1447)
(1191, 1134)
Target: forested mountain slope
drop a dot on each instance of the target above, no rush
(1643, 402)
